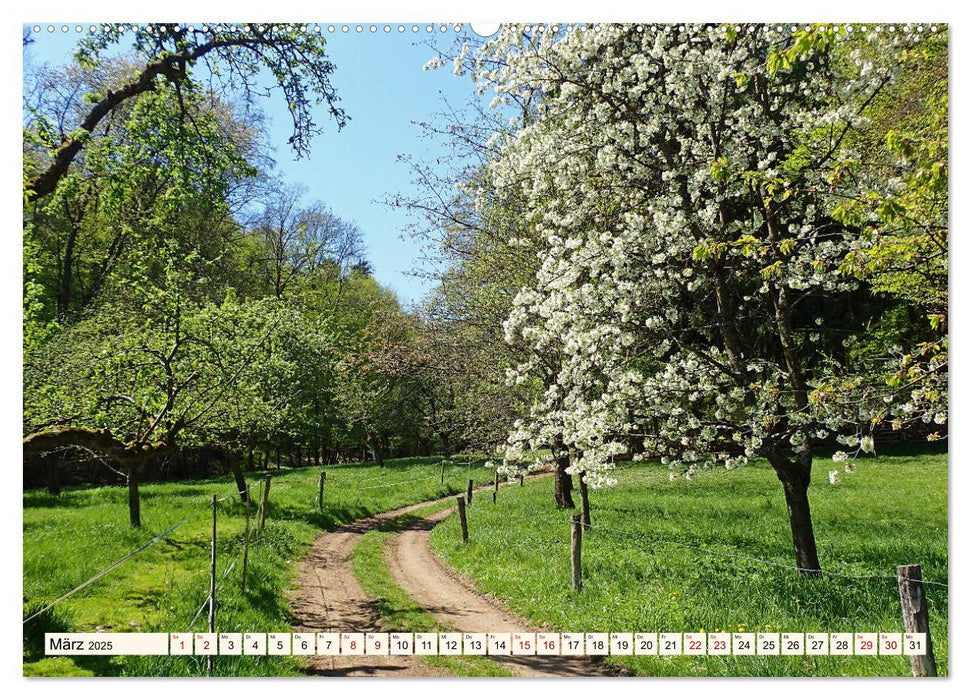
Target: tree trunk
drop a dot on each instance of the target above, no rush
(241, 485)
(584, 501)
(134, 505)
(65, 290)
(795, 477)
(375, 450)
(446, 445)
(562, 482)
(52, 473)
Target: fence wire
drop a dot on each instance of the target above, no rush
(219, 586)
(552, 519)
(746, 557)
(106, 570)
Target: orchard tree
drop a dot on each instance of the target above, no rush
(691, 281)
(157, 371)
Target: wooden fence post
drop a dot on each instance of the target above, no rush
(246, 543)
(522, 479)
(468, 495)
(584, 501)
(462, 520)
(212, 583)
(264, 501)
(259, 508)
(913, 606)
(320, 491)
(576, 540)
(443, 472)
(495, 490)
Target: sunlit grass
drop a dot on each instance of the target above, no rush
(682, 557)
(69, 538)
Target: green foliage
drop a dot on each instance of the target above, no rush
(904, 224)
(156, 306)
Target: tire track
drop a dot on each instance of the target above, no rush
(329, 598)
(455, 603)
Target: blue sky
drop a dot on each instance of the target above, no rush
(383, 88)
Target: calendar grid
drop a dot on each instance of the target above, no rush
(488, 644)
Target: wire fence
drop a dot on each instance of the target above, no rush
(397, 483)
(545, 519)
(104, 571)
(277, 487)
(549, 519)
(219, 586)
(758, 560)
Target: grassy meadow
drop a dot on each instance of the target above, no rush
(711, 554)
(69, 538)
(715, 554)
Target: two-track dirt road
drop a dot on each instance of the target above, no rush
(329, 598)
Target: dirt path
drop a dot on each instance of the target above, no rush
(329, 598)
(454, 602)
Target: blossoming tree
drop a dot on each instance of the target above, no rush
(690, 283)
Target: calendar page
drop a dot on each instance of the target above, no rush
(610, 347)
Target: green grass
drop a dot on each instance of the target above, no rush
(650, 564)
(69, 538)
(397, 611)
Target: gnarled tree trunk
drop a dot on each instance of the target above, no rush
(132, 455)
(52, 474)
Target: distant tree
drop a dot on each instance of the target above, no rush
(298, 241)
(483, 250)
(142, 178)
(362, 267)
